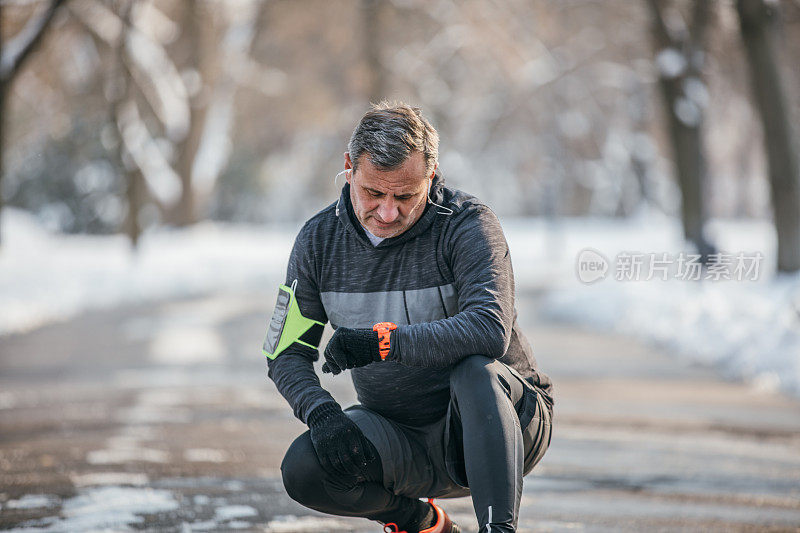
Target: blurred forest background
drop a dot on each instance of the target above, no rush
(123, 115)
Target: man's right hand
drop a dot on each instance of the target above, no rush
(340, 445)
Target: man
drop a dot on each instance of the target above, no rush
(416, 279)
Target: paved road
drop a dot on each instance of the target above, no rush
(160, 417)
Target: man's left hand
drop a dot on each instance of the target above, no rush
(350, 348)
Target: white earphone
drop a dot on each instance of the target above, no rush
(442, 209)
(335, 178)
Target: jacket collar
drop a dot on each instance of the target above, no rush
(347, 217)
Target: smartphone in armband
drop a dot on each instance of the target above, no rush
(288, 325)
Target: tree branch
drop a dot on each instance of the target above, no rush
(21, 45)
(701, 19)
(662, 34)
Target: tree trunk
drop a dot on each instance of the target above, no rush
(185, 212)
(134, 196)
(689, 165)
(758, 34)
(685, 116)
(19, 49)
(135, 187)
(371, 31)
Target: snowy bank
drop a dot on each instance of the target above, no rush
(748, 326)
(46, 277)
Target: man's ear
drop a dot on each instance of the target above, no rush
(348, 165)
(433, 172)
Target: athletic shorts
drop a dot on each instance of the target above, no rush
(427, 461)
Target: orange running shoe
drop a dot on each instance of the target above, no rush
(443, 523)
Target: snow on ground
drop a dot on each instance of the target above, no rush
(293, 524)
(32, 501)
(747, 326)
(230, 512)
(105, 509)
(750, 329)
(46, 277)
(125, 508)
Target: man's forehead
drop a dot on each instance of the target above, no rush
(396, 184)
(406, 177)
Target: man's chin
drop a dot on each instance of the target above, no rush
(385, 232)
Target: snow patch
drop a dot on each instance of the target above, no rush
(294, 524)
(107, 508)
(230, 512)
(203, 525)
(111, 507)
(201, 499)
(33, 501)
(122, 456)
(206, 455)
(233, 485)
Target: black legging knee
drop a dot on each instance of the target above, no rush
(309, 484)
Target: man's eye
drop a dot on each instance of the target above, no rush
(402, 198)
(375, 194)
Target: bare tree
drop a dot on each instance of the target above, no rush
(757, 22)
(13, 56)
(151, 107)
(234, 60)
(679, 58)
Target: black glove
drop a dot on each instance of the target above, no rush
(350, 348)
(340, 445)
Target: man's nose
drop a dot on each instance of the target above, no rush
(388, 210)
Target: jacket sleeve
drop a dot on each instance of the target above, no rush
(479, 259)
(293, 370)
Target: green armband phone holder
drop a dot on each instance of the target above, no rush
(288, 325)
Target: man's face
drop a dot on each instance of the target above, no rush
(388, 202)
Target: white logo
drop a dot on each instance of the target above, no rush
(591, 266)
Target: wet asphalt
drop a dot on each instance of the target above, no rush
(160, 417)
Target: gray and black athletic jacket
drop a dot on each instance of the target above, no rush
(446, 282)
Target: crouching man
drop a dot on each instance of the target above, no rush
(416, 279)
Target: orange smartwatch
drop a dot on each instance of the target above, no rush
(384, 330)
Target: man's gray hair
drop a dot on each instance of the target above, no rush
(389, 132)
